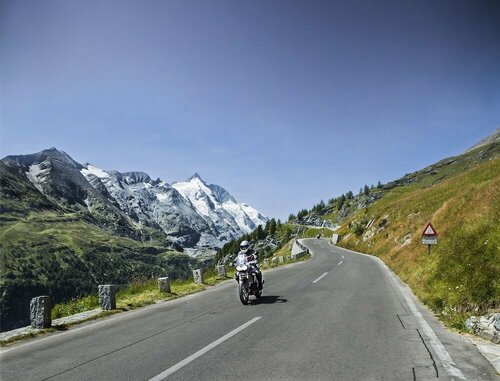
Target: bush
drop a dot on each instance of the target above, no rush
(357, 228)
(466, 276)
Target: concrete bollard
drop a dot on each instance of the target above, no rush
(221, 271)
(107, 296)
(275, 260)
(198, 276)
(40, 310)
(266, 262)
(164, 284)
(281, 259)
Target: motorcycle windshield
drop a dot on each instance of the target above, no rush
(241, 260)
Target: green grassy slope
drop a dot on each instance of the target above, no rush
(52, 247)
(461, 196)
(64, 256)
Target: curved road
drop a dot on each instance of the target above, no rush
(339, 316)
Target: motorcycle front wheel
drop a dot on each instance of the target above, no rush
(243, 291)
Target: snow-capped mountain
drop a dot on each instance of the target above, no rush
(191, 214)
(195, 214)
(215, 202)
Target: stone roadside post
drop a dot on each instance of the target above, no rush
(281, 259)
(164, 284)
(221, 271)
(40, 309)
(198, 276)
(107, 296)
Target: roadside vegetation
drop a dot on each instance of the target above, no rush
(140, 293)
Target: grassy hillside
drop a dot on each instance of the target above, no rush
(65, 256)
(461, 197)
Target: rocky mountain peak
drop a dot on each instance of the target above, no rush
(51, 154)
(136, 177)
(195, 177)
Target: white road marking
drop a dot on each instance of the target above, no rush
(314, 281)
(338, 264)
(202, 351)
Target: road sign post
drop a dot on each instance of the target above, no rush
(429, 237)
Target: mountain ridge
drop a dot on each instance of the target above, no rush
(135, 200)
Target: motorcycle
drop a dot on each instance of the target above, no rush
(246, 275)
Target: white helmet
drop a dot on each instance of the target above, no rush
(244, 246)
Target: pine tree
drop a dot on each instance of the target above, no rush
(259, 233)
(272, 226)
(340, 202)
(302, 214)
(266, 229)
(366, 190)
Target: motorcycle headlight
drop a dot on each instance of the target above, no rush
(242, 268)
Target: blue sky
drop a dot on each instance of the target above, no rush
(283, 103)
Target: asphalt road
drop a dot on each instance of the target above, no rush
(338, 316)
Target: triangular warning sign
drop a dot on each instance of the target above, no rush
(429, 230)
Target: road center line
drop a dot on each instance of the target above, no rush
(338, 264)
(314, 281)
(202, 351)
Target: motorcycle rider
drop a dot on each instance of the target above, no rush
(252, 256)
